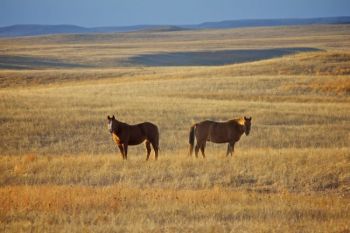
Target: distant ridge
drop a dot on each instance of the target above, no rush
(272, 22)
(34, 29)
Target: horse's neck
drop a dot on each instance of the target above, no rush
(117, 126)
(242, 129)
(240, 126)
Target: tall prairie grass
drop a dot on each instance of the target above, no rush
(72, 119)
(257, 190)
(111, 209)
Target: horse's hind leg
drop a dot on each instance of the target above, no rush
(191, 150)
(196, 149)
(203, 149)
(200, 145)
(148, 147)
(156, 152)
(156, 149)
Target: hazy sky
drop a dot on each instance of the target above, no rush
(131, 12)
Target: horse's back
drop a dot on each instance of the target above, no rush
(210, 125)
(219, 132)
(148, 127)
(202, 129)
(204, 124)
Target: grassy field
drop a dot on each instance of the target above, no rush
(61, 172)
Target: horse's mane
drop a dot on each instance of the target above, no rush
(240, 121)
(119, 122)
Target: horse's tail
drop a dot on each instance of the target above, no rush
(191, 138)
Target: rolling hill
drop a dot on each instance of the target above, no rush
(33, 29)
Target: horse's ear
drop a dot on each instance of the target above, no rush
(113, 117)
(247, 118)
(108, 117)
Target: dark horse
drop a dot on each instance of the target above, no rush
(218, 132)
(124, 135)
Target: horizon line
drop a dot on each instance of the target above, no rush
(187, 24)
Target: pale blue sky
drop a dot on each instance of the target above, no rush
(92, 13)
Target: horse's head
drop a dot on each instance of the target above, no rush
(247, 124)
(111, 123)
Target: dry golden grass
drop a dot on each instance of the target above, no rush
(60, 171)
(262, 170)
(256, 191)
(76, 209)
(71, 119)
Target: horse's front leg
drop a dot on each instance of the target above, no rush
(120, 146)
(125, 151)
(230, 148)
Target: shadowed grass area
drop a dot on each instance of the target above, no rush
(200, 58)
(114, 50)
(27, 62)
(213, 58)
(318, 71)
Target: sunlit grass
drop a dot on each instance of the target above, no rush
(263, 170)
(258, 189)
(70, 208)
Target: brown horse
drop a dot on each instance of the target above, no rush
(124, 135)
(218, 132)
